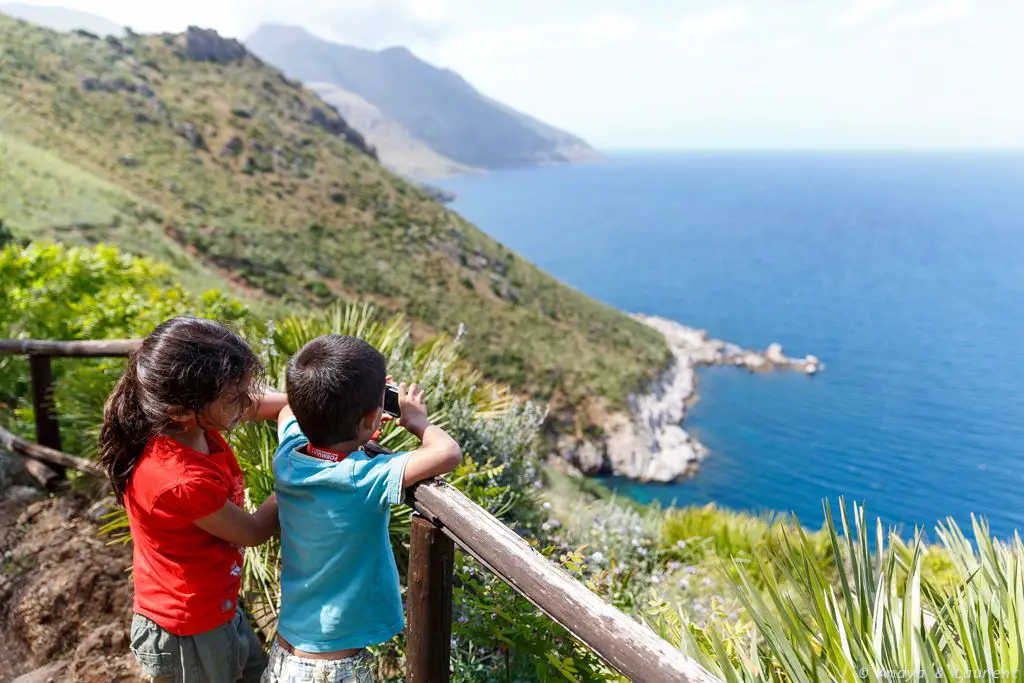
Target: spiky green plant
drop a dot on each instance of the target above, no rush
(882, 620)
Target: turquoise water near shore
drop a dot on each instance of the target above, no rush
(904, 272)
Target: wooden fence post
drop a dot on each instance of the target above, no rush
(47, 428)
(629, 646)
(431, 564)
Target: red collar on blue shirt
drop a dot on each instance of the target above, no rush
(333, 456)
(325, 453)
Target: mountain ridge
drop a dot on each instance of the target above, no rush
(397, 148)
(436, 105)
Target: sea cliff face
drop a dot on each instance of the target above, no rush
(649, 443)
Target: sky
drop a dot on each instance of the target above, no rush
(689, 74)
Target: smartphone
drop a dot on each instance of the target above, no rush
(391, 406)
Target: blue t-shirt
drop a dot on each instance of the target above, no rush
(339, 582)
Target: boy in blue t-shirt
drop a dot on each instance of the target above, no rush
(339, 584)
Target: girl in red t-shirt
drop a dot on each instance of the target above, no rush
(181, 486)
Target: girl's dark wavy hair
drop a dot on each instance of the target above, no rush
(184, 364)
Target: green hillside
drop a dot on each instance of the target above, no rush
(188, 148)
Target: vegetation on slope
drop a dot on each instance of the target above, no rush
(48, 291)
(756, 599)
(191, 141)
(886, 617)
(759, 599)
(78, 293)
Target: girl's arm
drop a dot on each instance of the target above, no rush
(267, 406)
(234, 525)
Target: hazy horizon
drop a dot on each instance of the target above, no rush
(693, 75)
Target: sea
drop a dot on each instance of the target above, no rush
(902, 271)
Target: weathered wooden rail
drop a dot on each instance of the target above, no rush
(628, 646)
(50, 471)
(445, 518)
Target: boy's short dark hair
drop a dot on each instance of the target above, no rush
(334, 381)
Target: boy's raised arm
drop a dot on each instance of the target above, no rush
(268, 406)
(439, 453)
(284, 414)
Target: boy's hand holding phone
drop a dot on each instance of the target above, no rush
(413, 409)
(439, 453)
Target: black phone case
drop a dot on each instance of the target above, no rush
(391, 406)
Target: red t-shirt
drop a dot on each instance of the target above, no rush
(186, 580)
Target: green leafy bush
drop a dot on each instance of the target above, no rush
(52, 291)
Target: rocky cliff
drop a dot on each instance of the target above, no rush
(396, 146)
(650, 444)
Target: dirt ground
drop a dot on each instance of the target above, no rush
(65, 596)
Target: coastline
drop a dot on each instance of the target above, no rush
(650, 444)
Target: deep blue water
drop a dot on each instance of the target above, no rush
(903, 272)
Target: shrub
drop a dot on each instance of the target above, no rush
(708, 534)
(51, 291)
(883, 619)
(6, 235)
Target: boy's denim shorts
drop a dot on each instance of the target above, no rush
(288, 668)
(226, 654)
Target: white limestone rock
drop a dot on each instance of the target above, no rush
(773, 354)
(650, 443)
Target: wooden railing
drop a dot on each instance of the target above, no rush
(444, 518)
(48, 468)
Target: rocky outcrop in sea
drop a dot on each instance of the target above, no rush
(650, 443)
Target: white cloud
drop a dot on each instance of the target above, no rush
(367, 23)
(430, 11)
(932, 15)
(715, 23)
(860, 12)
(792, 42)
(611, 27)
